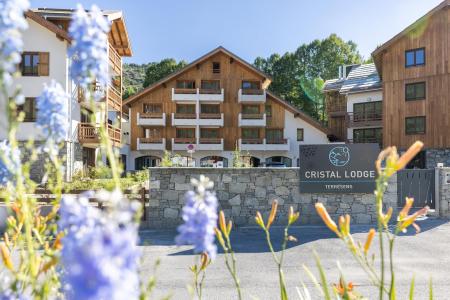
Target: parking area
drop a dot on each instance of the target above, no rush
(424, 255)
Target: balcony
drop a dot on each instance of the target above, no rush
(252, 120)
(264, 145)
(181, 144)
(115, 61)
(151, 144)
(197, 119)
(209, 144)
(277, 144)
(364, 120)
(114, 98)
(151, 119)
(336, 109)
(367, 141)
(90, 135)
(252, 96)
(195, 95)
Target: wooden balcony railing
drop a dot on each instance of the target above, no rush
(364, 119)
(252, 141)
(211, 91)
(114, 134)
(151, 140)
(336, 107)
(185, 91)
(114, 98)
(210, 140)
(91, 134)
(276, 141)
(252, 116)
(115, 60)
(152, 115)
(252, 92)
(210, 116)
(366, 140)
(184, 140)
(185, 116)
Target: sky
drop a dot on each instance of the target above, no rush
(187, 29)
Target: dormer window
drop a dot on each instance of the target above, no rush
(415, 57)
(216, 67)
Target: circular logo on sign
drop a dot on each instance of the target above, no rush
(339, 156)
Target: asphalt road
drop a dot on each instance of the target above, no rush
(424, 255)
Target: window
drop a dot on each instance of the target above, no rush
(250, 109)
(368, 135)
(274, 135)
(209, 133)
(415, 57)
(30, 64)
(274, 160)
(152, 108)
(300, 135)
(250, 133)
(29, 108)
(268, 110)
(415, 125)
(367, 110)
(185, 109)
(250, 85)
(211, 85)
(415, 91)
(152, 133)
(185, 133)
(35, 64)
(210, 108)
(216, 67)
(185, 84)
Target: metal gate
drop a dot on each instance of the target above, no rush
(417, 184)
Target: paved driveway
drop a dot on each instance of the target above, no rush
(425, 255)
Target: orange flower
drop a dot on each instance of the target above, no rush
(259, 220)
(409, 155)
(292, 217)
(222, 222)
(204, 260)
(6, 257)
(322, 211)
(273, 213)
(406, 222)
(405, 210)
(341, 289)
(369, 239)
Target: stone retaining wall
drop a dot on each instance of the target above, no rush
(443, 192)
(242, 192)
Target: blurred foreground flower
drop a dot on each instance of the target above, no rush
(9, 161)
(200, 218)
(100, 254)
(89, 47)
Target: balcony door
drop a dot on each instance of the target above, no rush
(274, 136)
(369, 111)
(368, 135)
(211, 85)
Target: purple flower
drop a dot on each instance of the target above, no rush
(200, 218)
(9, 162)
(100, 254)
(89, 48)
(52, 114)
(12, 23)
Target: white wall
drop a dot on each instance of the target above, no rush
(362, 98)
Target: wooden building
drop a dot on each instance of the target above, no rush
(215, 105)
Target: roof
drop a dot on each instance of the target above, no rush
(333, 84)
(219, 49)
(118, 35)
(360, 79)
(298, 113)
(380, 50)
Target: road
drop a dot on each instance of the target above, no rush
(424, 255)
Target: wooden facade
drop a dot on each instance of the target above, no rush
(431, 33)
(233, 72)
(336, 109)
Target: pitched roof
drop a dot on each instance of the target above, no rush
(379, 50)
(362, 78)
(60, 33)
(191, 65)
(298, 113)
(333, 84)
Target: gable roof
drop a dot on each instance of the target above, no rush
(333, 84)
(381, 49)
(297, 112)
(360, 79)
(118, 35)
(219, 49)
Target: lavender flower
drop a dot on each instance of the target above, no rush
(99, 256)
(200, 218)
(52, 113)
(9, 161)
(12, 23)
(89, 47)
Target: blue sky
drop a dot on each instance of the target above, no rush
(187, 29)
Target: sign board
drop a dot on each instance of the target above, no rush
(338, 168)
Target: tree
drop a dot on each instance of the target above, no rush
(158, 70)
(295, 73)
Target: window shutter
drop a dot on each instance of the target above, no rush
(44, 64)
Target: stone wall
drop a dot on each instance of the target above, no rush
(435, 156)
(242, 192)
(444, 192)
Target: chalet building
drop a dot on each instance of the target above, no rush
(45, 58)
(414, 70)
(215, 105)
(354, 105)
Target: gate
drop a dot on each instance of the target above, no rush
(417, 184)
